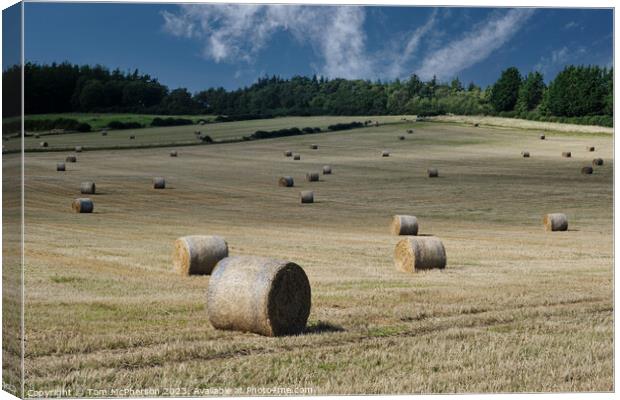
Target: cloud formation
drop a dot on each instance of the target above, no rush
(475, 46)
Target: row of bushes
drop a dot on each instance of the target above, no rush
(241, 117)
(345, 126)
(275, 134)
(124, 125)
(171, 121)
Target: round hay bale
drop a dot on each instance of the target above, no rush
(385, 153)
(132, 137)
(312, 176)
(566, 154)
(43, 144)
(314, 146)
(286, 181)
(404, 225)
(542, 137)
(525, 154)
(71, 159)
(82, 205)
(173, 153)
(555, 222)
(307, 196)
(476, 125)
(60, 166)
(78, 149)
(587, 170)
(590, 148)
(401, 138)
(87, 187)
(197, 133)
(409, 131)
(296, 157)
(159, 183)
(432, 172)
(413, 254)
(288, 153)
(261, 295)
(597, 161)
(327, 170)
(104, 133)
(198, 254)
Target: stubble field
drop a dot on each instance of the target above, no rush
(516, 309)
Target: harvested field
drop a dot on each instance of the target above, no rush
(516, 308)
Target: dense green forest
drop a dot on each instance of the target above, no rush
(580, 94)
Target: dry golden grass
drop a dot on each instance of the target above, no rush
(516, 309)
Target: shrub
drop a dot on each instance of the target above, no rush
(278, 133)
(344, 126)
(124, 125)
(171, 121)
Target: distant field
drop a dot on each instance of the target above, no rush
(179, 135)
(517, 309)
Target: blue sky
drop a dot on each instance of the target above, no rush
(199, 46)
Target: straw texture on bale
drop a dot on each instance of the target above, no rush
(432, 172)
(327, 170)
(288, 153)
(198, 254)
(87, 187)
(418, 253)
(307, 196)
(286, 181)
(542, 137)
(314, 146)
(385, 153)
(296, 157)
(525, 154)
(83, 205)
(261, 295)
(78, 149)
(597, 161)
(312, 176)
(587, 170)
(159, 183)
(71, 159)
(566, 154)
(555, 222)
(404, 225)
(60, 166)
(43, 144)
(174, 153)
(590, 148)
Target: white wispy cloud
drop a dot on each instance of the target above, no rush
(571, 25)
(560, 57)
(475, 46)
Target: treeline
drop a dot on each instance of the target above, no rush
(580, 94)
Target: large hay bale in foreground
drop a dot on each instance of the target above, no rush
(590, 148)
(288, 153)
(159, 183)
(385, 153)
(312, 176)
(174, 153)
(314, 146)
(71, 159)
(198, 254)
(43, 144)
(404, 225)
(413, 254)
(432, 172)
(587, 170)
(286, 181)
(566, 154)
(327, 170)
(296, 157)
(525, 154)
(87, 187)
(82, 205)
(307, 196)
(78, 149)
(60, 166)
(555, 222)
(597, 161)
(261, 295)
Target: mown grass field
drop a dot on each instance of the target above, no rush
(516, 309)
(182, 135)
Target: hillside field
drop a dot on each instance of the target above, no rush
(516, 309)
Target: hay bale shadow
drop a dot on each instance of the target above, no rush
(322, 327)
